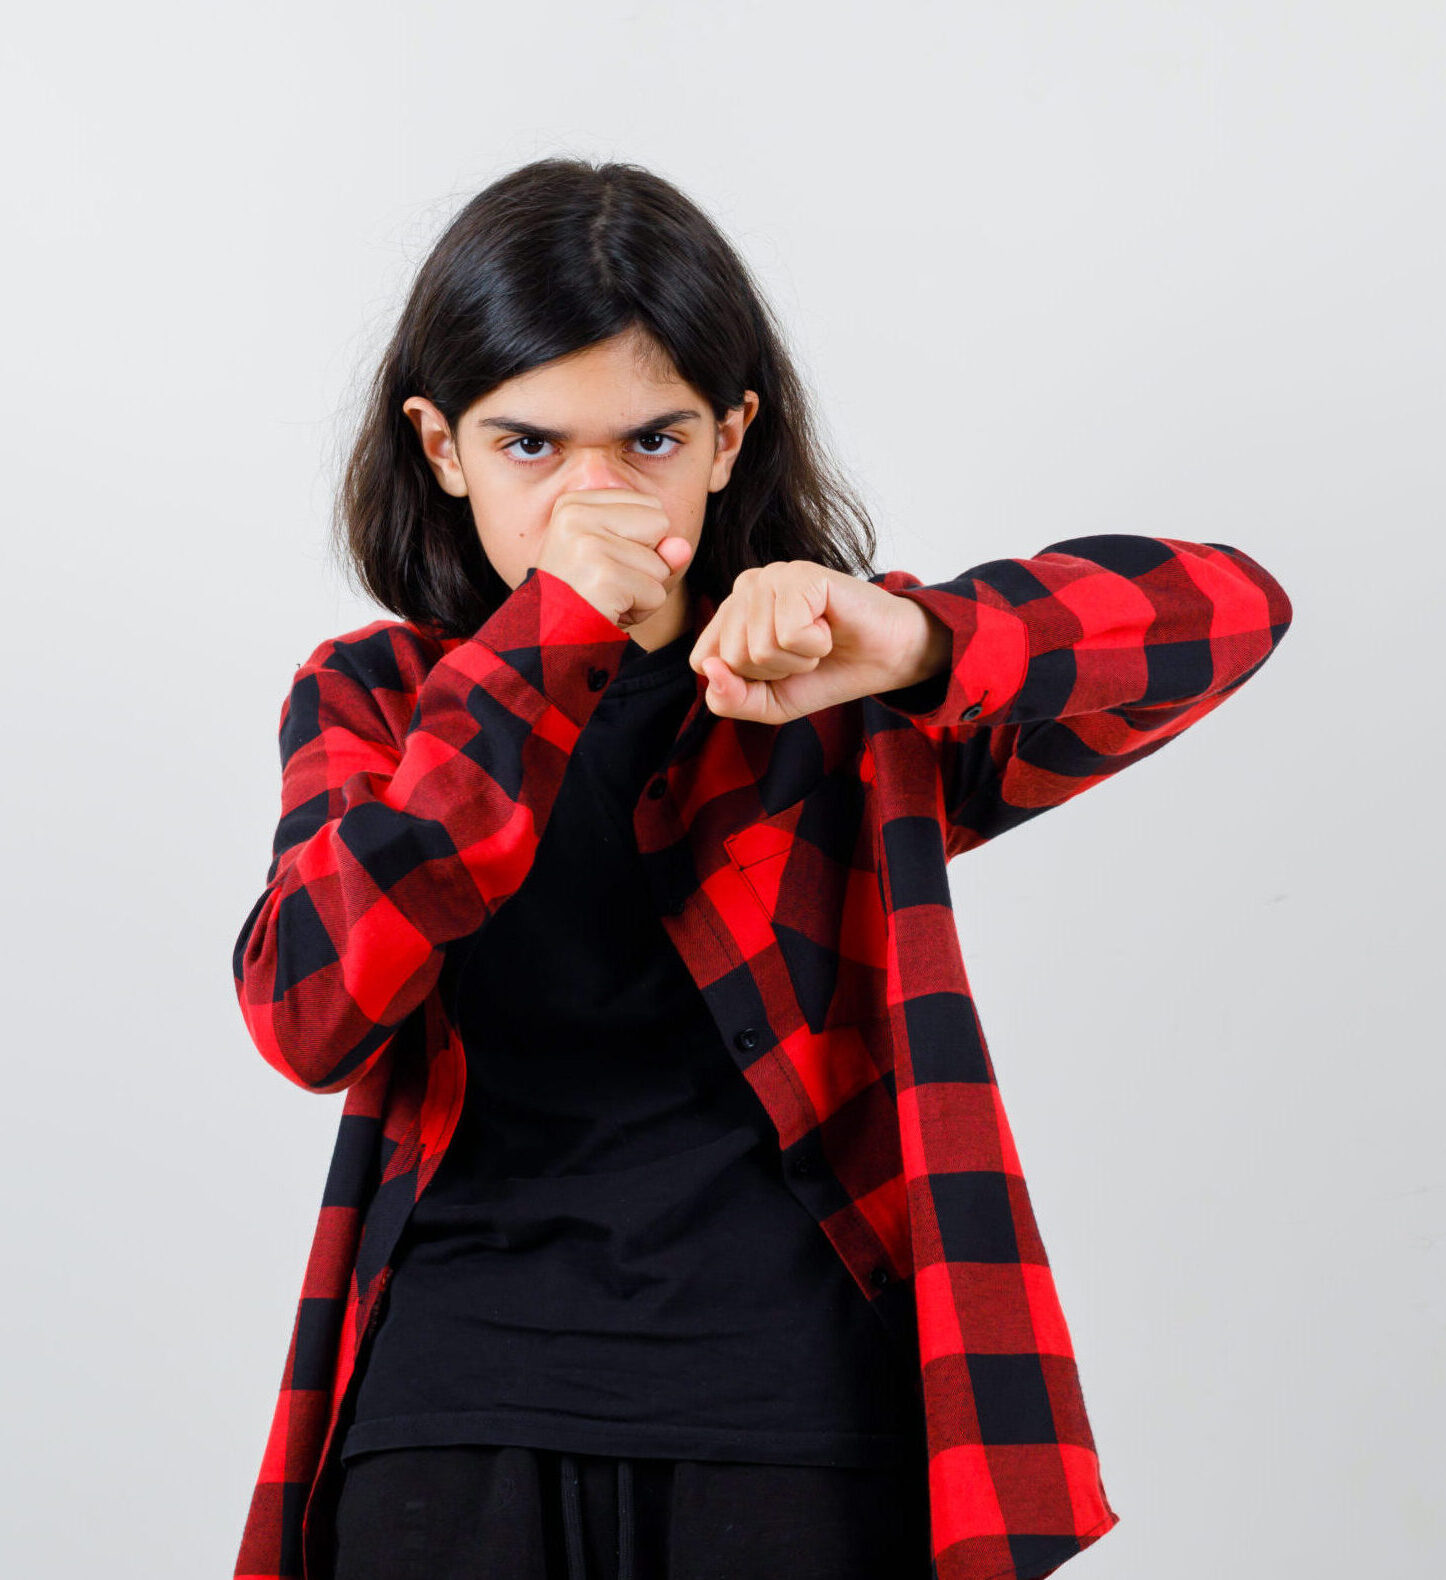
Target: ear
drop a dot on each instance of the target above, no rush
(730, 440)
(435, 435)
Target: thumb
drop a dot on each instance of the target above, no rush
(676, 551)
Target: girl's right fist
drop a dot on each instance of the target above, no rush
(613, 547)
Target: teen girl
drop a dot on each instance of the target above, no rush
(568, 1315)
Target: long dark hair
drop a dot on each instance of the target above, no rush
(555, 256)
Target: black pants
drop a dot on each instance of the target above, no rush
(507, 1513)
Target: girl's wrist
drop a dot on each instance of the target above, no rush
(929, 651)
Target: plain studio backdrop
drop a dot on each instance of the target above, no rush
(1049, 270)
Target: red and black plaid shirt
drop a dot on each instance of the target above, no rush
(801, 872)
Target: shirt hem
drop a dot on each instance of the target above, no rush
(646, 1440)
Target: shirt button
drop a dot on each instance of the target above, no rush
(802, 1167)
(657, 787)
(745, 1039)
(596, 679)
(973, 711)
(879, 1277)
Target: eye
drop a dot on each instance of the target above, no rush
(525, 439)
(531, 456)
(667, 438)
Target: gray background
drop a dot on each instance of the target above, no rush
(1050, 269)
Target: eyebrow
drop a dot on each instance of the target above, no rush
(534, 430)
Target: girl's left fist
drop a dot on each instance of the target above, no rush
(793, 637)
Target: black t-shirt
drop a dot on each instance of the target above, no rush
(608, 1259)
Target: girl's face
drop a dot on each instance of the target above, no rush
(614, 415)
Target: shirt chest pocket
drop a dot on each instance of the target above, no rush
(800, 862)
(760, 852)
(798, 865)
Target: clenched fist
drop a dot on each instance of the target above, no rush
(616, 548)
(794, 637)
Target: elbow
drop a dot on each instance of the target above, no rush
(1260, 583)
(316, 1052)
(300, 1017)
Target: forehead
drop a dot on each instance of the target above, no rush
(627, 367)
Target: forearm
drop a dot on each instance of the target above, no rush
(394, 842)
(1093, 626)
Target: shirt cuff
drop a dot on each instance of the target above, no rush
(989, 656)
(565, 648)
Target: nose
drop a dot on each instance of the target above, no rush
(597, 469)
